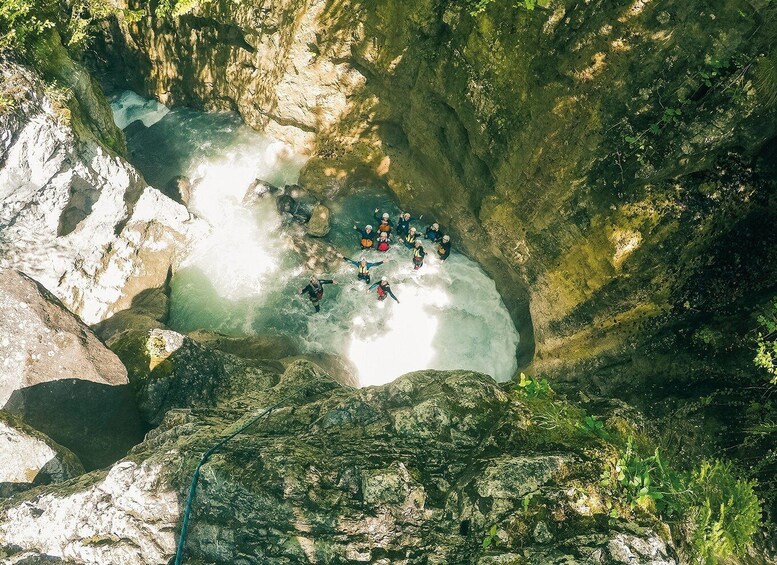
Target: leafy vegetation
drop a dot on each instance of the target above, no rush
(714, 513)
(766, 342)
(476, 7)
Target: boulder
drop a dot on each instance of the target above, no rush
(59, 378)
(257, 190)
(417, 471)
(28, 457)
(104, 233)
(318, 224)
(179, 188)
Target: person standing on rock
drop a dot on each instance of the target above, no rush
(367, 236)
(315, 290)
(418, 255)
(384, 290)
(444, 248)
(433, 232)
(363, 267)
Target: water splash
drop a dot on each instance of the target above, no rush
(243, 279)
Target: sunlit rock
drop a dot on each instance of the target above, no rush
(318, 224)
(59, 378)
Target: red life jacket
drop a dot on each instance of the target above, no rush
(381, 293)
(383, 245)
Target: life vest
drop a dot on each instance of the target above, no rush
(319, 290)
(410, 238)
(366, 242)
(418, 252)
(381, 292)
(384, 228)
(383, 245)
(363, 269)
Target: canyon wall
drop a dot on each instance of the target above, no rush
(607, 162)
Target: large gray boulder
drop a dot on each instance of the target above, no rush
(75, 215)
(59, 378)
(417, 471)
(28, 457)
(318, 225)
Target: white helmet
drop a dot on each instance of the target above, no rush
(363, 260)
(385, 216)
(446, 238)
(412, 229)
(383, 279)
(368, 227)
(436, 226)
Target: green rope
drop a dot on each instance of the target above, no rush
(204, 459)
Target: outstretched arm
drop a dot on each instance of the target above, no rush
(391, 294)
(373, 286)
(371, 265)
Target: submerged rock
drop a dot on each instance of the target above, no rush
(59, 378)
(257, 190)
(318, 224)
(417, 471)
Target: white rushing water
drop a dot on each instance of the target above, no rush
(243, 279)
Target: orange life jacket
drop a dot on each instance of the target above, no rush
(366, 242)
(384, 228)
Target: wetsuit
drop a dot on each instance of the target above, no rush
(418, 257)
(410, 239)
(384, 289)
(444, 250)
(367, 239)
(403, 226)
(316, 292)
(383, 245)
(379, 218)
(434, 235)
(364, 271)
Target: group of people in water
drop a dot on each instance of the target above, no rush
(381, 239)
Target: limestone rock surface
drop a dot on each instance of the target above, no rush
(59, 378)
(417, 471)
(318, 224)
(73, 214)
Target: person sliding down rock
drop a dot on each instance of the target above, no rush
(384, 289)
(383, 242)
(444, 248)
(411, 238)
(433, 232)
(363, 266)
(385, 222)
(418, 255)
(315, 290)
(367, 236)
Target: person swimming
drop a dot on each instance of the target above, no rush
(433, 232)
(363, 267)
(410, 238)
(367, 236)
(384, 289)
(385, 225)
(444, 248)
(418, 255)
(315, 290)
(383, 242)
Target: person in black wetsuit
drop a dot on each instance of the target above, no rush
(433, 232)
(315, 290)
(367, 236)
(418, 255)
(411, 238)
(384, 222)
(444, 248)
(363, 266)
(403, 224)
(384, 289)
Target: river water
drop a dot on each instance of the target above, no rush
(243, 279)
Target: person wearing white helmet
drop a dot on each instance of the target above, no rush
(444, 247)
(418, 255)
(410, 238)
(363, 267)
(315, 290)
(384, 289)
(403, 224)
(367, 236)
(385, 225)
(433, 232)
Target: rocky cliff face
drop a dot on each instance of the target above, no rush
(606, 163)
(74, 214)
(417, 471)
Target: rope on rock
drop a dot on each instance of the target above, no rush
(204, 459)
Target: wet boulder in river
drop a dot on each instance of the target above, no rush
(179, 188)
(318, 224)
(257, 190)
